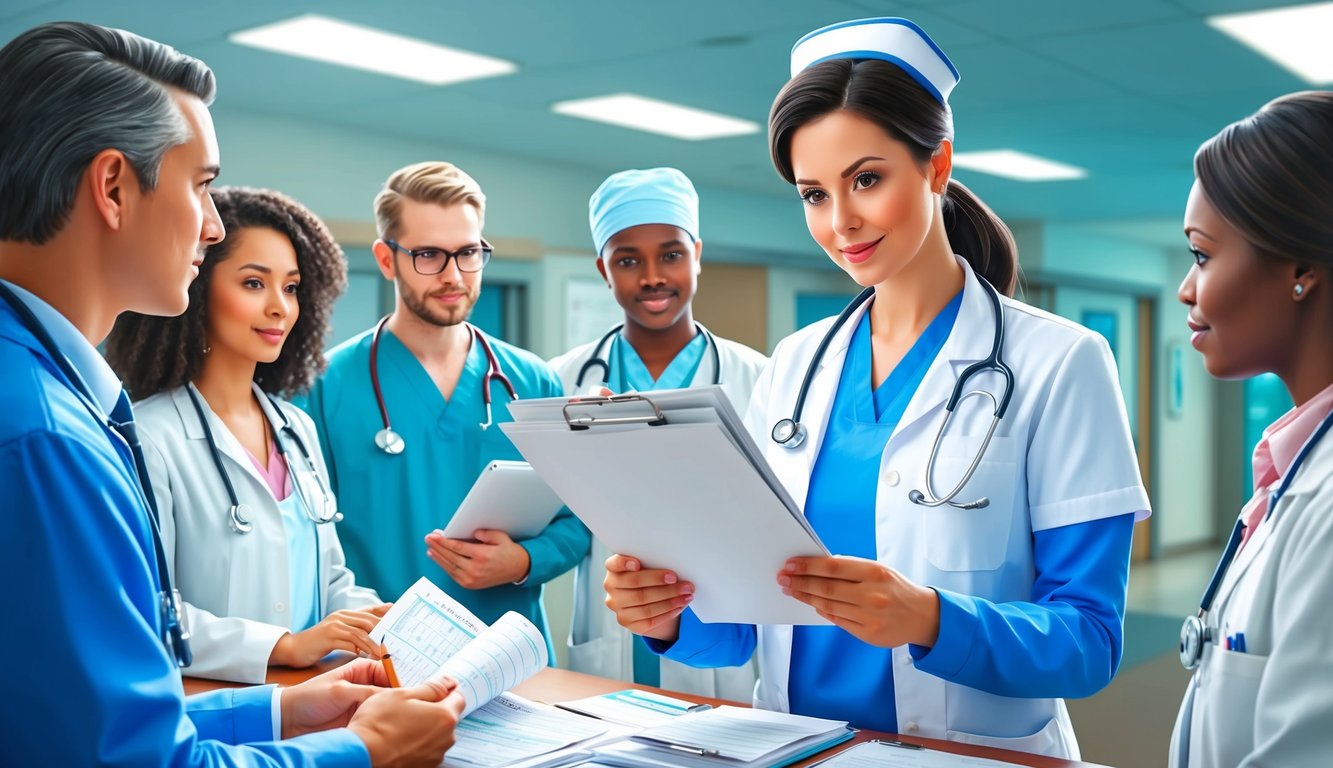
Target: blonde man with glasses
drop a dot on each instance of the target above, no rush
(407, 412)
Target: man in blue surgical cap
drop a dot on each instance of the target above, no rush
(645, 228)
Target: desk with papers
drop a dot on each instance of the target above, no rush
(558, 685)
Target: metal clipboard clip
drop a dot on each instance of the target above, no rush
(581, 421)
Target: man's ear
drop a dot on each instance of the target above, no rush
(601, 270)
(941, 166)
(698, 257)
(383, 258)
(113, 185)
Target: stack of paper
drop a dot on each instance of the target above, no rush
(673, 479)
(727, 736)
(430, 634)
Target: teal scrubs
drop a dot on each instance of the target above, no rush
(390, 502)
(829, 666)
(629, 374)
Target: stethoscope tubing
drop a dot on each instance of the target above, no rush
(389, 441)
(598, 360)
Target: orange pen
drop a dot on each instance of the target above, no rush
(388, 666)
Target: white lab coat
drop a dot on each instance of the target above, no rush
(1273, 704)
(236, 587)
(597, 644)
(1062, 455)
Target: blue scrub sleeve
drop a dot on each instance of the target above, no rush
(1065, 643)
(560, 546)
(95, 685)
(708, 645)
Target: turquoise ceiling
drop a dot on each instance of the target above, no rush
(1126, 89)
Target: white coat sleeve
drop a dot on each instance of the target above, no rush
(225, 648)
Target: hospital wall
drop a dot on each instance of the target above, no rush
(537, 214)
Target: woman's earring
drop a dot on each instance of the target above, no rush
(207, 349)
(1299, 290)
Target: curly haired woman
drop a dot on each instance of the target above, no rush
(240, 482)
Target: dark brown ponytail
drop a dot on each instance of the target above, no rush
(889, 97)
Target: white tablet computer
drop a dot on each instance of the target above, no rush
(507, 496)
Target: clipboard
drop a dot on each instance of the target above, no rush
(507, 496)
(674, 479)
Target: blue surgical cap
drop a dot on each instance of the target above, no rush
(651, 196)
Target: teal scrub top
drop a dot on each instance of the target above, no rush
(391, 502)
(831, 669)
(628, 372)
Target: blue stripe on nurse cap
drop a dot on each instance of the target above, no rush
(897, 41)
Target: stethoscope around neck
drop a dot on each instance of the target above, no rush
(598, 358)
(316, 500)
(791, 434)
(175, 632)
(391, 442)
(1195, 633)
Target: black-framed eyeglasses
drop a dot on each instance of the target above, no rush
(433, 261)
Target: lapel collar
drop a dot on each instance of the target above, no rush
(1247, 555)
(969, 341)
(233, 454)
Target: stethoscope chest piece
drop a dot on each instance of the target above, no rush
(389, 441)
(789, 434)
(1193, 634)
(240, 519)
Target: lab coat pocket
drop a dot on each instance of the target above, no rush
(972, 539)
(1046, 741)
(602, 656)
(1226, 701)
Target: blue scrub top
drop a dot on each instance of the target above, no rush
(390, 502)
(628, 372)
(832, 672)
(95, 668)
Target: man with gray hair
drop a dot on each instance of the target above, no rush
(107, 151)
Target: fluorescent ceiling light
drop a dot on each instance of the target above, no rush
(337, 42)
(1016, 165)
(1294, 37)
(644, 114)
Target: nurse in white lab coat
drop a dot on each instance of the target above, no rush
(967, 624)
(265, 584)
(645, 229)
(1260, 301)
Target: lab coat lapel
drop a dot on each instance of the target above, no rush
(818, 406)
(969, 341)
(234, 455)
(1247, 555)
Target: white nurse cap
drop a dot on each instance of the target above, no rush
(897, 41)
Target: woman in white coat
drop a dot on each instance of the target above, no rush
(1260, 225)
(966, 620)
(645, 230)
(246, 512)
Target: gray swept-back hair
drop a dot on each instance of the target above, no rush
(70, 90)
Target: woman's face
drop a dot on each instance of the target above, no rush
(252, 298)
(1240, 303)
(868, 203)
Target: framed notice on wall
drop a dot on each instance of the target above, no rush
(590, 310)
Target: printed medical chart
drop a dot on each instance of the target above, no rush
(428, 633)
